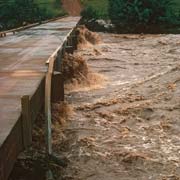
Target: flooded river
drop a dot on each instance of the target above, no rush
(129, 127)
(124, 124)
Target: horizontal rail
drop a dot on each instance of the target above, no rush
(13, 31)
(48, 91)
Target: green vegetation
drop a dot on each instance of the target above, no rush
(176, 6)
(52, 8)
(141, 11)
(142, 15)
(135, 15)
(14, 13)
(99, 8)
(95, 9)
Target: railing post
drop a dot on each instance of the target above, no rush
(26, 121)
(57, 93)
(48, 113)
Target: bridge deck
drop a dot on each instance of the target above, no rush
(22, 70)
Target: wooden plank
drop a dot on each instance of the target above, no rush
(48, 113)
(19, 84)
(48, 85)
(10, 150)
(57, 93)
(8, 32)
(26, 121)
(37, 100)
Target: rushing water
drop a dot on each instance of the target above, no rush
(127, 124)
(129, 127)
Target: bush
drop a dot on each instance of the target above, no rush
(141, 12)
(14, 13)
(95, 9)
(89, 13)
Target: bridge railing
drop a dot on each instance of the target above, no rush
(50, 89)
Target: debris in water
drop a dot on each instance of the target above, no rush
(74, 68)
(77, 74)
(61, 112)
(86, 38)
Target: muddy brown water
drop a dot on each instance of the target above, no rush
(127, 128)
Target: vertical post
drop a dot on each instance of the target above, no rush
(58, 63)
(71, 39)
(48, 104)
(26, 121)
(48, 113)
(57, 92)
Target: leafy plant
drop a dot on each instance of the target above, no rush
(89, 13)
(14, 13)
(141, 11)
(95, 9)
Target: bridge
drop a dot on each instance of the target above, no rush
(24, 59)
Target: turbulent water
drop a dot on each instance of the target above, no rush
(126, 123)
(129, 128)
